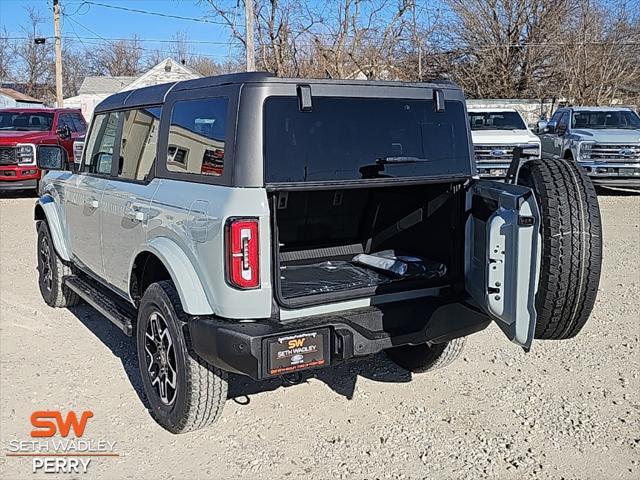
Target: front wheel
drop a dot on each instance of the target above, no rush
(425, 358)
(52, 271)
(184, 392)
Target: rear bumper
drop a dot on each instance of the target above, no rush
(241, 347)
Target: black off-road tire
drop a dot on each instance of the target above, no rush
(52, 271)
(201, 389)
(571, 245)
(425, 358)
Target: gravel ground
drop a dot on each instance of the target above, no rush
(566, 410)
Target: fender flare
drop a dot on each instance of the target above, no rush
(185, 278)
(48, 205)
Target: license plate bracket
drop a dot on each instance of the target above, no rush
(293, 352)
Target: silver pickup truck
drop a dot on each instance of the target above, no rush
(268, 226)
(605, 141)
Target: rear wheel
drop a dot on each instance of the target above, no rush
(184, 392)
(571, 245)
(424, 358)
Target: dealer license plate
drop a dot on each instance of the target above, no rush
(297, 351)
(626, 171)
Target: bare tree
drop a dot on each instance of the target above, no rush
(7, 60)
(34, 62)
(281, 25)
(75, 67)
(503, 48)
(154, 57)
(362, 38)
(180, 48)
(119, 58)
(205, 66)
(600, 58)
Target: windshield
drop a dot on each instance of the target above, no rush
(496, 121)
(26, 121)
(363, 138)
(605, 119)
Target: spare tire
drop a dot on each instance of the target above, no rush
(571, 245)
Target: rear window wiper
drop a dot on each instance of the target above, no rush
(401, 159)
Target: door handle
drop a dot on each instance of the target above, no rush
(91, 202)
(136, 214)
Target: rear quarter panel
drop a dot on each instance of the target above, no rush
(193, 215)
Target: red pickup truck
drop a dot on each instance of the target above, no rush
(21, 129)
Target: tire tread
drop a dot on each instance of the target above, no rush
(571, 246)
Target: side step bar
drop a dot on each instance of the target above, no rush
(108, 305)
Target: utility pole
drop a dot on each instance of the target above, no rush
(248, 23)
(416, 40)
(58, 48)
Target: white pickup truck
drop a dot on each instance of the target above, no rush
(495, 133)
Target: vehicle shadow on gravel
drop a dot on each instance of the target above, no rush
(120, 345)
(617, 192)
(341, 379)
(18, 194)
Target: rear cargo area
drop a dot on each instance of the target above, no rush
(336, 244)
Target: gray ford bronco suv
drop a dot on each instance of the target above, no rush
(265, 226)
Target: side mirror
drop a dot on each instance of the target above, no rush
(104, 162)
(542, 124)
(51, 157)
(64, 132)
(550, 127)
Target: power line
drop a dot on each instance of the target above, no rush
(193, 19)
(479, 45)
(157, 14)
(100, 41)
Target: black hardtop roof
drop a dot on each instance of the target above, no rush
(156, 94)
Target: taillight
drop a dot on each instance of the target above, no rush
(243, 267)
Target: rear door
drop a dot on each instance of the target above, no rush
(502, 255)
(127, 196)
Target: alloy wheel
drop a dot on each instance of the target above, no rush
(161, 358)
(46, 272)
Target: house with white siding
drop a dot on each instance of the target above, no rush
(10, 98)
(94, 89)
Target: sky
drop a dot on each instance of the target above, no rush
(93, 23)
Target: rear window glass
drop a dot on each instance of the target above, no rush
(363, 138)
(197, 136)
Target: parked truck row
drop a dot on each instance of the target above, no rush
(604, 141)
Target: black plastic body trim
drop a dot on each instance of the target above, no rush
(238, 346)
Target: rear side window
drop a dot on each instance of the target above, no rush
(79, 123)
(197, 136)
(138, 143)
(363, 138)
(98, 152)
(64, 120)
